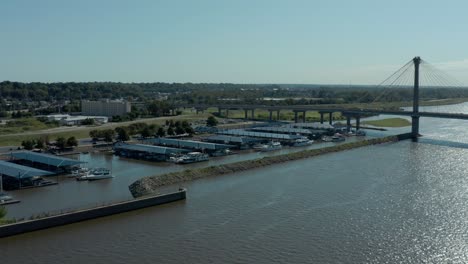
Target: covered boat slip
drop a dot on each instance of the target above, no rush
(188, 144)
(44, 161)
(240, 142)
(283, 130)
(146, 152)
(310, 126)
(15, 176)
(273, 136)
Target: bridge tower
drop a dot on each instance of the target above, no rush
(415, 116)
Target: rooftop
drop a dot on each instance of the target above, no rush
(241, 132)
(19, 171)
(290, 130)
(148, 148)
(191, 144)
(47, 159)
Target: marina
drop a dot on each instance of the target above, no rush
(204, 192)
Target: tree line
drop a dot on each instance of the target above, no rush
(123, 133)
(43, 143)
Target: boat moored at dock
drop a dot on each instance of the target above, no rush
(96, 174)
(301, 142)
(191, 157)
(273, 145)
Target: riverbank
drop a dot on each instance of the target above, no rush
(148, 185)
(389, 122)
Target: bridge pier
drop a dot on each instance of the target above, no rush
(415, 116)
(348, 123)
(414, 127)
(330, 118)
(278, 115)
(304, 117)
(253, 114)
(246, 114)
(321, 118)
(358, 123)
(295, 116)
(271, 115)
(227, 112)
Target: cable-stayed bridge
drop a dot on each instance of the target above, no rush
(415, 75)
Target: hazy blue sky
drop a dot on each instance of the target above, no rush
(241, 41)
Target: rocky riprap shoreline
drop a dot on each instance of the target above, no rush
(149, 185)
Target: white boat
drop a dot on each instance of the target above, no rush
(221, 152)
(96, 174)
(337, 138)
(259, 146)
(5, 197)
(78, 172)
(191, 158)
(302, 142)
(326, 139)
(360, 133)
(273, 145)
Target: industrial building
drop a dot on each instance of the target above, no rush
(68, 120)
(107, 108)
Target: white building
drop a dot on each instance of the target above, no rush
(107, 108)
(68, 120)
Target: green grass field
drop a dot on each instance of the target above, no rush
(389, 122)
(15, 138)
(24, 125)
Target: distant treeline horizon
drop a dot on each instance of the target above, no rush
(211, 93)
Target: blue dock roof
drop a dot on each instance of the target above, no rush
(282, 130)
(19, 171)
(47, 159)
(241, 132)
(149, 148)
(231, 139)
(191, 144)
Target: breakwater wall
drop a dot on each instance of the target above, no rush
(148, 185)
(82, 215)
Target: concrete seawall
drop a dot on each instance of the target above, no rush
(82, 215)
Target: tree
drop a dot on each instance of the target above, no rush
(61, 142)
(108, 135)
(179, 130)
(146, 132)
(28, 144)
(161, 132)
(189, 130)
(72, 142)
(122, 134)
(94, 134)
(211, 121)
(170, 131)
(40, 143)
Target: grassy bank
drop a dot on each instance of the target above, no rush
(148, 185)
(83, 131)
(389, 122)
